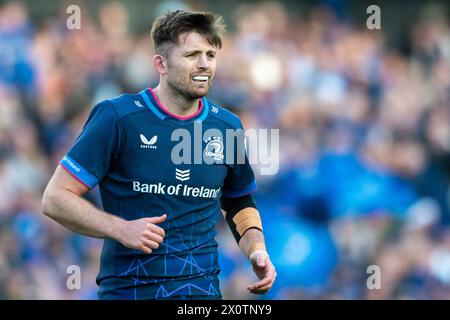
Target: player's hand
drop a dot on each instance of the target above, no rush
(143, 234)
(264, 269)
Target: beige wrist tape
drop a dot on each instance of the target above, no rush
(247, 218)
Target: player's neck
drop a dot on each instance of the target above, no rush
(175, 102)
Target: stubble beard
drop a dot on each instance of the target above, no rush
(184, 92)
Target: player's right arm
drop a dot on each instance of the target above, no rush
(84, 165)
(62, 201)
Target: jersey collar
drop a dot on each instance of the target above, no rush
(161, 112)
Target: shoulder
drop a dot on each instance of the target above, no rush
(110, 112)
(125, 104)
(223, 115)
(119, 107)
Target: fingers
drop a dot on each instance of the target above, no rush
(263, 285)
(153, 236)
(260, 291)
(143, 234)
(157, 219)
(150, 244)
(147, 250)
(153, 227)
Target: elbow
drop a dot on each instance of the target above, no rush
(48, 203)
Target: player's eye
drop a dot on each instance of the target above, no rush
(191, 54)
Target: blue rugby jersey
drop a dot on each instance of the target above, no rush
(126, 148)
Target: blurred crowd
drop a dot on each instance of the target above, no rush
(364, 128)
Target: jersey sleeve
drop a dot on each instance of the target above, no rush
(95, 149)
(240, 179)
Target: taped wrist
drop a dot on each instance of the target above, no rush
(254, 253)
(241, 215)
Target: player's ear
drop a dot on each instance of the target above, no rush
(160, 63)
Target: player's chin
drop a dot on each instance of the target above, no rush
(199, 92)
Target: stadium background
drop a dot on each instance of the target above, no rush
(364, 138)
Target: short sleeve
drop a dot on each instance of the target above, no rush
(240, 179)
(95, 149)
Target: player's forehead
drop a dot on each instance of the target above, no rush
(189, 41)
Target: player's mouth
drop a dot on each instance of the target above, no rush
(200, 78)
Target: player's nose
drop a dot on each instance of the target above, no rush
(203, 62)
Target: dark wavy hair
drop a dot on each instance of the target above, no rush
(167, 28)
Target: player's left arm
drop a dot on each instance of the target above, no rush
(244, 221)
